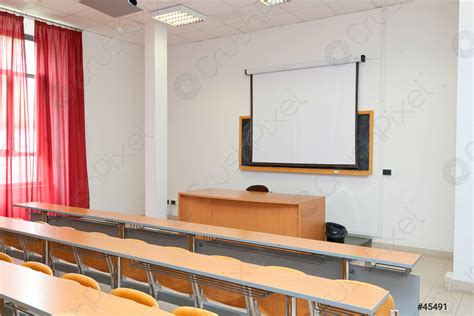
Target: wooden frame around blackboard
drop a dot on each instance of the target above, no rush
(344, 172)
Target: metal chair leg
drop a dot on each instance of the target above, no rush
(152, 282)
(112, 271)
(26, 253)
(81, 268)
(251, 303)
(198, 300)
(291, 306)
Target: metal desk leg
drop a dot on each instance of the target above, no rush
(118, 271)
(46, 252)
(192, 243)
(345, 269)
(44, 216)
(394, 312)
(291, 306)
(121, 231)
(313, 308)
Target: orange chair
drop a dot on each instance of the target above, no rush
(222, 296)
(275, 304)
(384, 310)
(37, 266)
(136, 296)
(6, 258)
(82, 280)
(192, 311)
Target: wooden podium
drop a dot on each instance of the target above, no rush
(284, 214)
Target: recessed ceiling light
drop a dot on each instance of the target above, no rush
(178, 15)
(273, 2)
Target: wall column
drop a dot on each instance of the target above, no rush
(462, 276)
(156, 118)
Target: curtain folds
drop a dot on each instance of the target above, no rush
(60, 125)
(17, 157)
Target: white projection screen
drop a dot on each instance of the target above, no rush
(305, 117)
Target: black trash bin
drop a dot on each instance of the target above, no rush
(335, 232)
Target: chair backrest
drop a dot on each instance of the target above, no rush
(6, 258)
(192, 311)
(176, 284)
(222, 296)
(274, 304)
(385, 308)
(136, 296)
(257, 188)
(37, 266)
(82, 280)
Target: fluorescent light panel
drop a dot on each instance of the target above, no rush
(178, 15)
(273, 2)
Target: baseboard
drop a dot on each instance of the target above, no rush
(421, 251)
(452, 284)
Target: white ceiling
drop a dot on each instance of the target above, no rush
(225, 17)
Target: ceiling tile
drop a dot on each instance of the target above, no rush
(348, 6)
(77, 22)
(283, 19)
(14, 4)
(197, 36)
(249, 24)
(94, 16)
(66, 6)
(220, 31)
(300, 4)
(209, 23)
(313, 13)
(43, 12)
(224, 17)
(211, 7)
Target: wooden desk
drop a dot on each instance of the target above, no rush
(282, 214)
(371, 255)
(321, 290)
(47, 295)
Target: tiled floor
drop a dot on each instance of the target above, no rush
(432, 271)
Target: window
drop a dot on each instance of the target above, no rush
(27, 145)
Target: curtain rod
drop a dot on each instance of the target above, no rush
(40, 19)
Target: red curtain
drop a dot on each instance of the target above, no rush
(61, 144)
(16, 119)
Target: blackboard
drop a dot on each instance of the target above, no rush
(364, 152)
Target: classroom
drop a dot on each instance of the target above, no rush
(237, 157)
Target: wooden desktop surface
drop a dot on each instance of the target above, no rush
(48, 295)
(248, 196)
(373, 255)
(325, 291)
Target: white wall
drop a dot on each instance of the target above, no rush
(410, 65)
(463, 267)
(114, 107)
